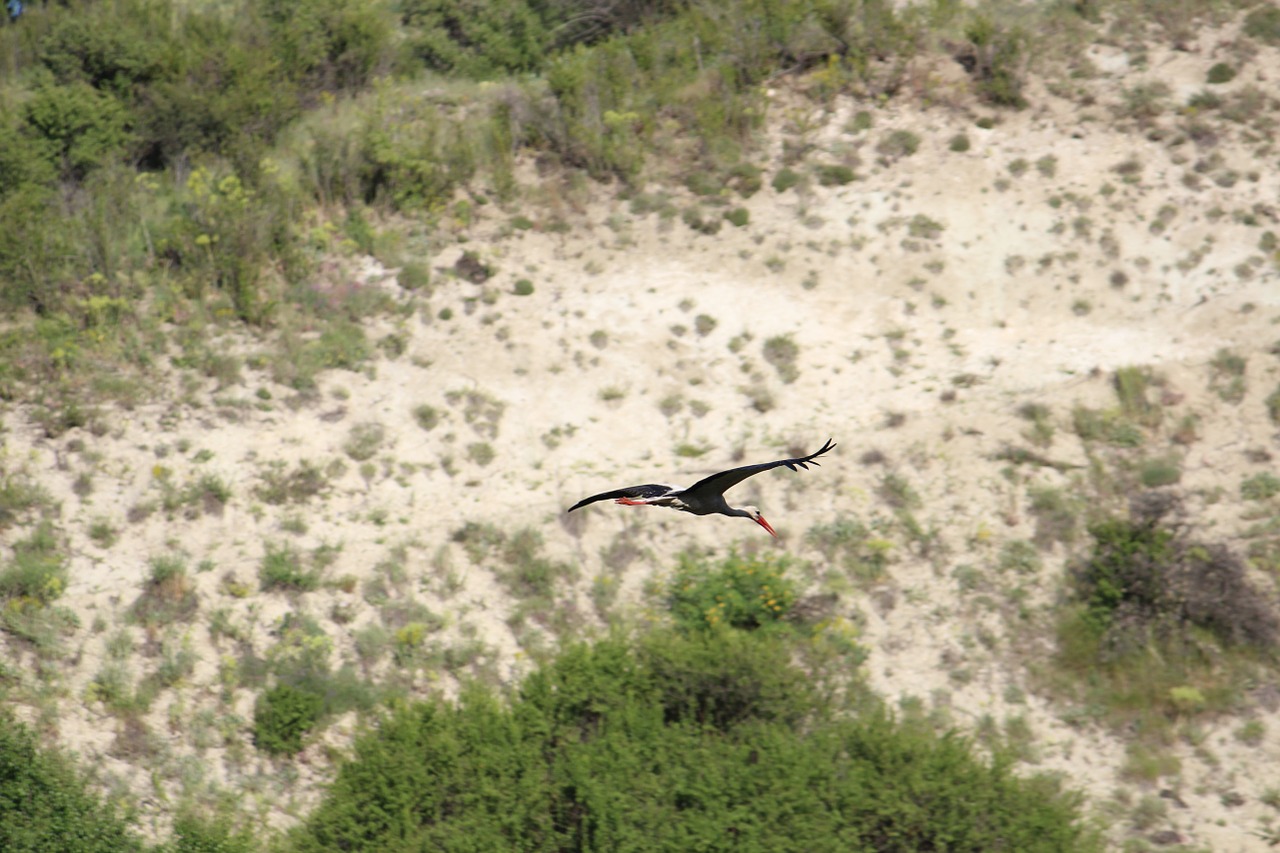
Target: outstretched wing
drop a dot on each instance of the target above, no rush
(725, 480)
(635, 493)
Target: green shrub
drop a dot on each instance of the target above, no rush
(1260, 487)
(1145, 578)
(853, 546)
(1161, 471)
(282, 716)
(746, 179)
(193, 833)
(834, 174)
(782, 352)
(1159, 626)
(1131, 385)
(1263, 24)
(168, 595)
(38, 570)
(45, 804)
(959, 143)
(745, 593)
(676, 745)
(1221, 72)
(426, 416)
(995, 60)
(476, 39)
(784, 180)
(78, 128)
(1056, 515)
(322, 45)
(899, 143)
(281, 486)
(364, 440)
(282, 568)
(1228, 375)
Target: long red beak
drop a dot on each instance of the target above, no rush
(760, 521)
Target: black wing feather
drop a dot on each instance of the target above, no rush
(636, 493)
(726, 480)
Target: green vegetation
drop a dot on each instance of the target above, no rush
(670, 740)
(364, 440)
(738, 593)
(1221, 73)
(283, 569)
(1227, 375)
(860, 550)
(169, 594)
(46, 805)
(1260, 486)
(155, 162)
(1263, 23)
(282, 716)
(781, 351)
(177, 175)
(1161, 626)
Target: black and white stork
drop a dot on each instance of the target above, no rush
(705, 497)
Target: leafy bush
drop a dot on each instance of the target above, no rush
(1147, 581)
(327, 45)
(1056, 515)
(282, 568)
(38, 570)
(834, 174)
(193, 833)
(282, 716)
(994, 57)
(1221, 72)
(1260, 486)
(45, 804)
(899, 143)
(1158, 626)
(739, 592)
(168, 595)
(855, 547)
(77, 127)
(588, 756)
(476, 39)
(724, 679)
(1263, 23)
(784, 180)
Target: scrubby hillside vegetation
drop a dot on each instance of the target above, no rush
(314, 316)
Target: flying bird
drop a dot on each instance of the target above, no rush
(705, 497)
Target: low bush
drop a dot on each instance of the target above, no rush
(283, 568)
(739, 592)
(1149, 579)
(282, 716)
(1154, 614)
(38, 571)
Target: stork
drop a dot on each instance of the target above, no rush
(705, 497)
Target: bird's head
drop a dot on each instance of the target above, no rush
(754, 515)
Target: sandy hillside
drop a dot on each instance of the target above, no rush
(908, 314)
